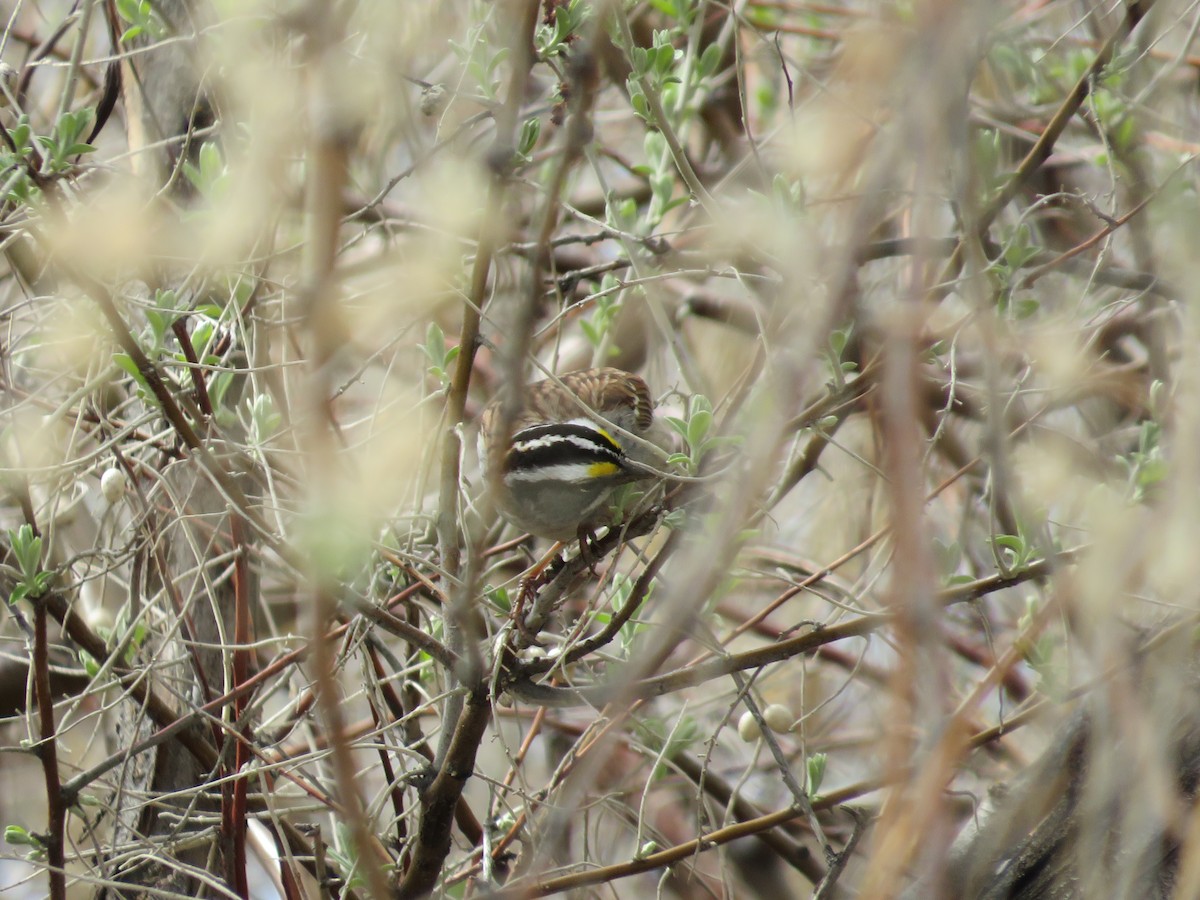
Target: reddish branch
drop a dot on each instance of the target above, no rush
(47, 752)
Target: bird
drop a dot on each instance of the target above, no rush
(556, 473)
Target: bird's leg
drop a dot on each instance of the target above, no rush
(546, 569)
(533, 579)
(588, 547)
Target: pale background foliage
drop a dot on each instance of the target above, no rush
(967, 426)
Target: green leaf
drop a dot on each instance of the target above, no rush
(675, 519)
(125, 362)
(640, 105)
(89, 663)
(218, 387)
(662, 186)
(838, 340)
(499, 597)
(655, 146)
(20, 837)
(201, 335)
(1152, 471)
(816, 772)
(1124, 134)
(529, 135)
(264, 418)
(209, 175)
(17, 188)
(22, 133)
(1026, 307)
(27, 548)
(435, 344)
(158, 328)
(679, 425)
(698, 427)
(500, 56)
(1009, 542)
(664, 59)
(709, 60)
(949, 555)
(627, 212)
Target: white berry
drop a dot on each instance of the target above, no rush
(748, 727)
(778, 718)
(113, 484)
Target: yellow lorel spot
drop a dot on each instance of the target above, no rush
(600, 469)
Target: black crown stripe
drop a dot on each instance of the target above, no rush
(561, 444)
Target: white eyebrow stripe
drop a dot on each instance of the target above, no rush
(560, 472)
(551, 440)
(584, 422)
